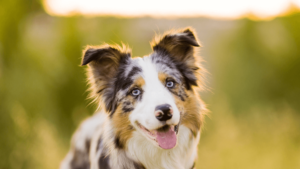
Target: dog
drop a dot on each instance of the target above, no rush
(151, 113)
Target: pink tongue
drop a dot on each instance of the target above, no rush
(166, 140)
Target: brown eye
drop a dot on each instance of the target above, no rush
(170, 84)
(136, 92)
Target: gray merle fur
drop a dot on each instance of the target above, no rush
(162, 56)
(122, 82)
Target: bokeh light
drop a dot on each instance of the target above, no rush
(175, 8)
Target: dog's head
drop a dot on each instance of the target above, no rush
(152, 95)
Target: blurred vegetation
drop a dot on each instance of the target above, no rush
(254, 78)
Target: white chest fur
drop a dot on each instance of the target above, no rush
(153, 157)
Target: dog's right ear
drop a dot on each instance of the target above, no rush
(104, 62)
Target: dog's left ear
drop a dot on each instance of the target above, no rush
(179, 44)
(180, 47)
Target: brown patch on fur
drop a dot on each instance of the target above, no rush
(122, 126)
(194, 110)
(162, 77)
(139, 82)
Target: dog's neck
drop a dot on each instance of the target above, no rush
(141, 150)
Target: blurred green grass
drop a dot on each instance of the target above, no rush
(254, 84)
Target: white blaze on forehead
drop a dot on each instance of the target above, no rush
(155, 93)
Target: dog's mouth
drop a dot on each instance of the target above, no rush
(165, 136)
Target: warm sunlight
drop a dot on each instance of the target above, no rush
(186, 8)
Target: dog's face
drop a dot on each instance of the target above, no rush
(152, 95)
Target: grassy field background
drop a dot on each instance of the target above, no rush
(253, 96)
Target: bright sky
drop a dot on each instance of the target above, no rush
(181, 8)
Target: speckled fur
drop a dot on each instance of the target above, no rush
(111, 138)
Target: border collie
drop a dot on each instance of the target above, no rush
(151, 113)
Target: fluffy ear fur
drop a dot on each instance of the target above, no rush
(104, 62)
(180, 44)
(180, 47)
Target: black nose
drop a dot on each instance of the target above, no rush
(163, 112)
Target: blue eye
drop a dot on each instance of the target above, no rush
(170, 84)
(136, 92)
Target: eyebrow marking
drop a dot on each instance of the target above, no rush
(162, 77)
(139, 82)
